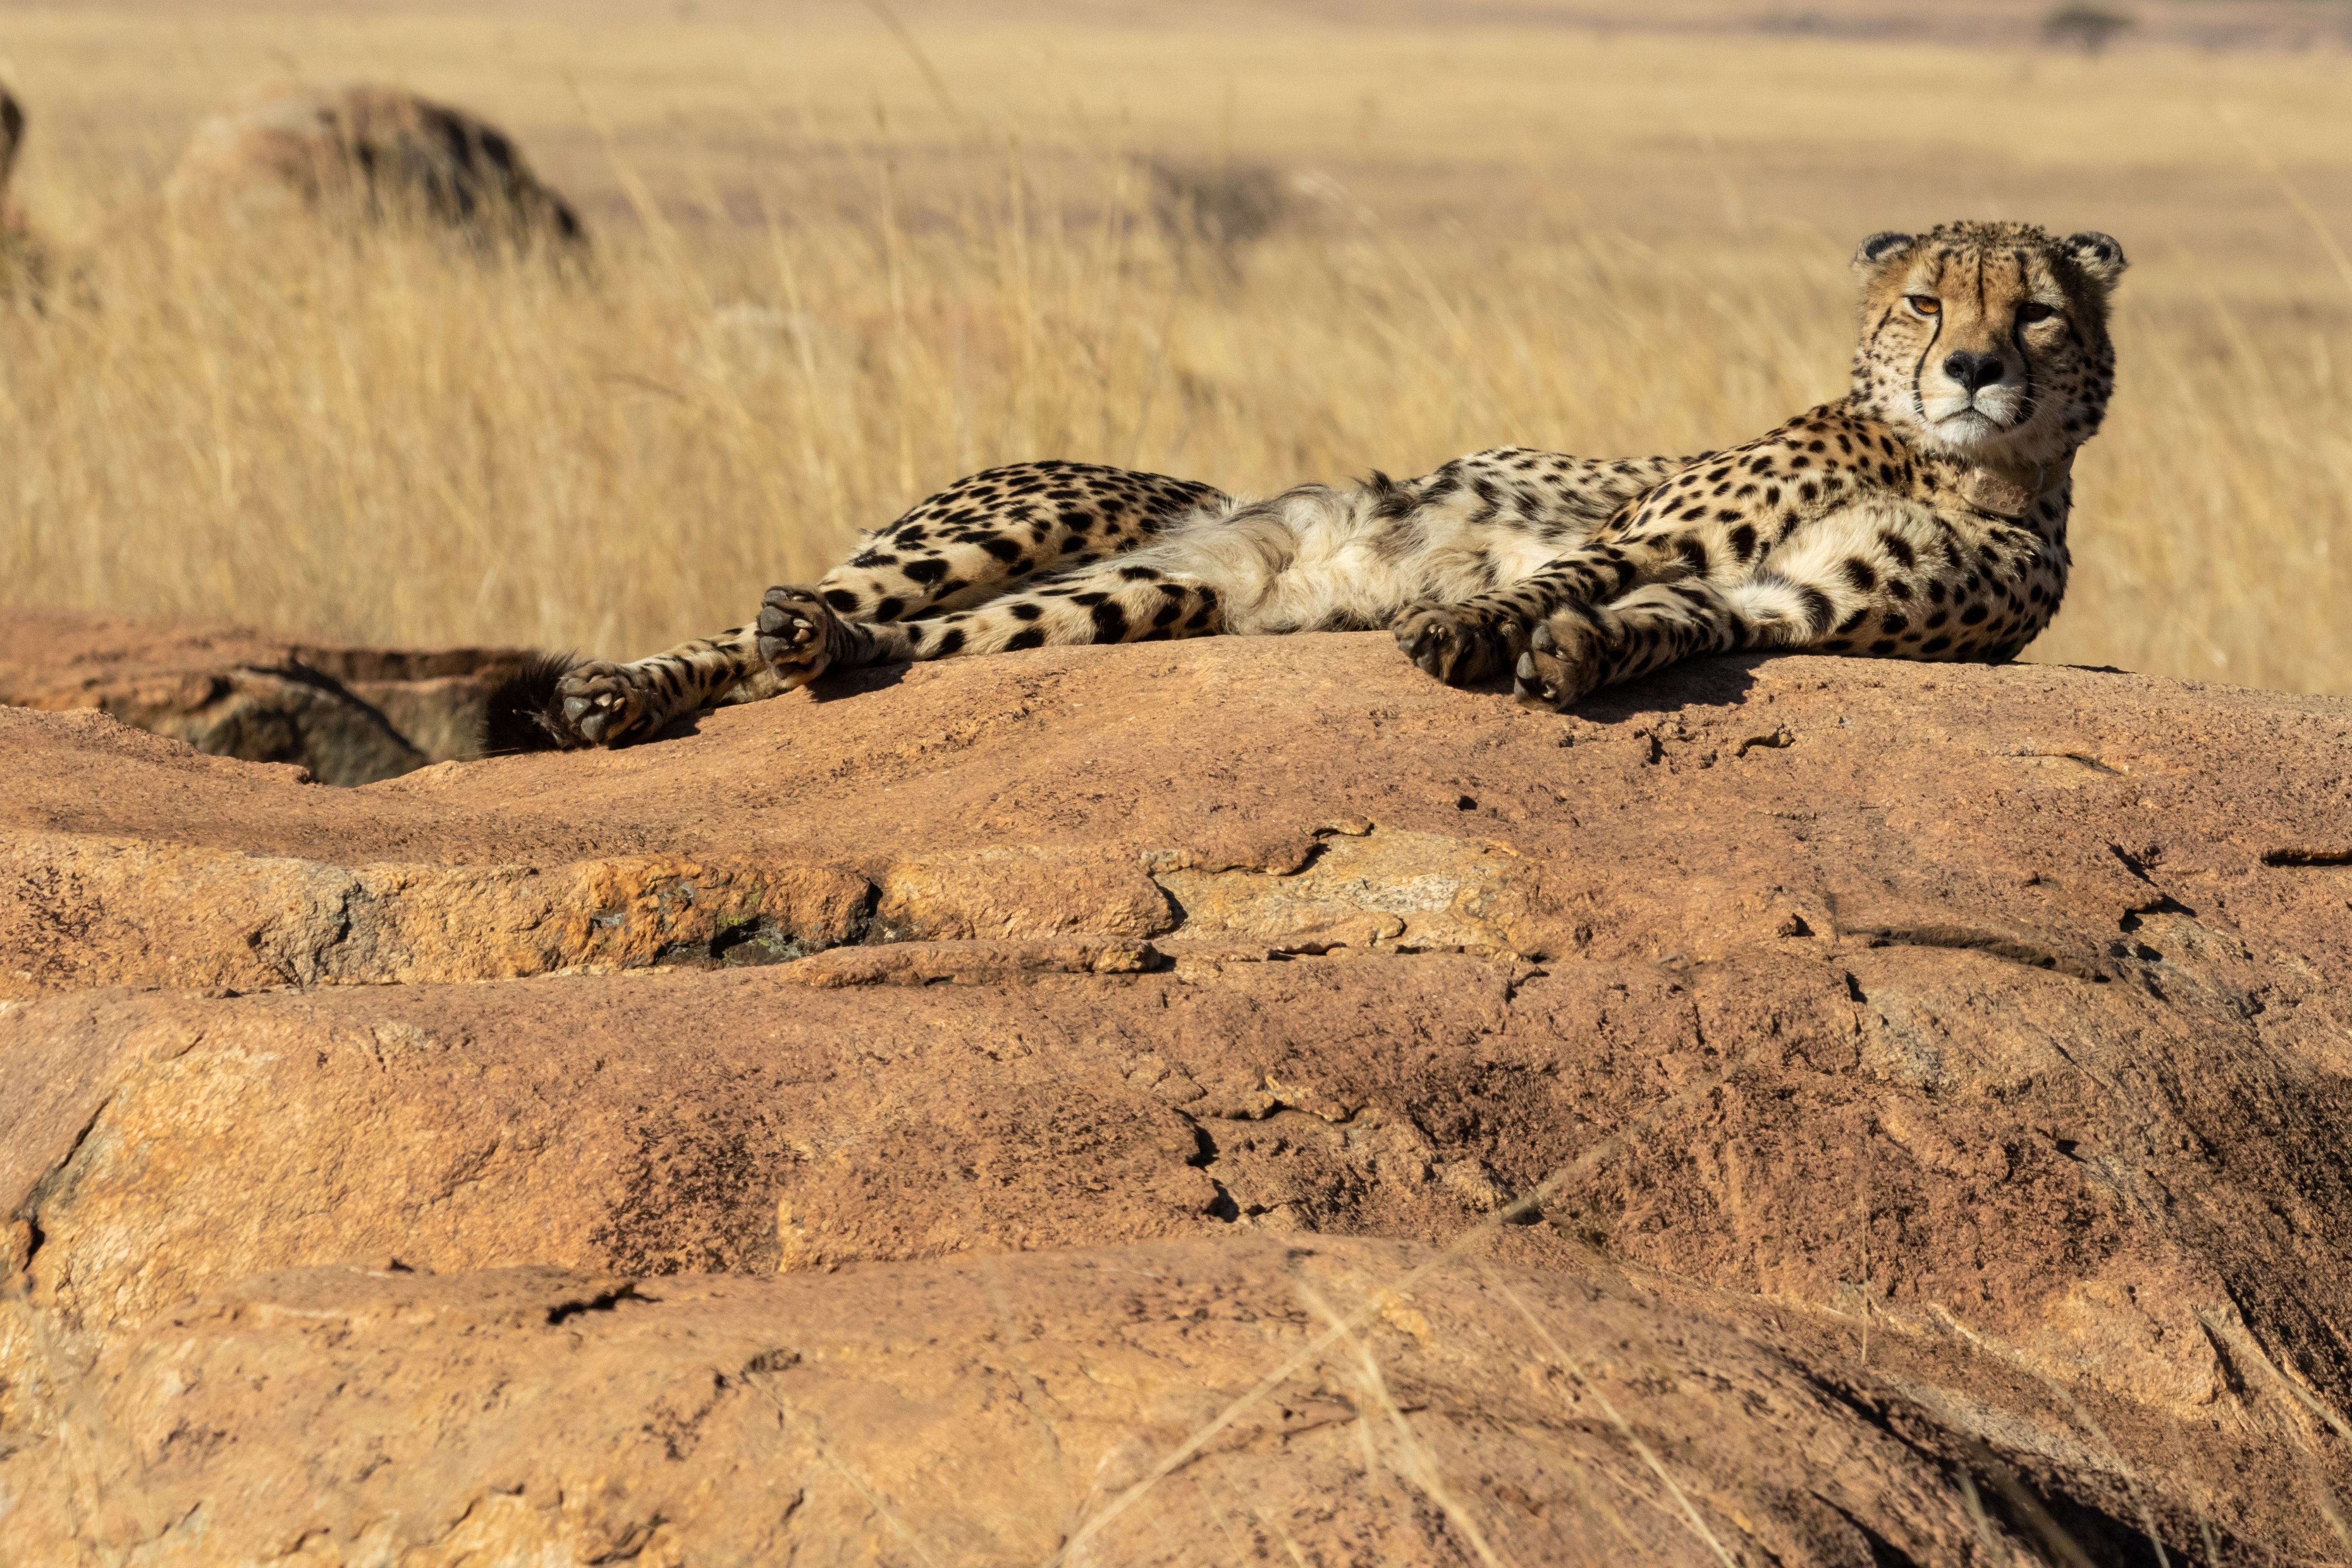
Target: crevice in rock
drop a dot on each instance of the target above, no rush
(1968, 939)
(2225, 1359)
(1883, 1553)
(44, 1188)
(1875, 1414)
(2082, 758)
(747, 944)
(2167, 905)
(2069, 1529)
(762, 940)
(603, 1301)
(2297, 856)
(630, 1550)
(768, 1360)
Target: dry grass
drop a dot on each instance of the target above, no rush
(835, 271)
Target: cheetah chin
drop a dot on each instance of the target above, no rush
(1920, 515)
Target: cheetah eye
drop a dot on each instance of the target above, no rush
(2032, 312)
(1925, 304)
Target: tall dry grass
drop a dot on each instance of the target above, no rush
(796, 335)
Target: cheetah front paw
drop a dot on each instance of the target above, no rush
(605, 704)
(798, 635)
(1456, 646)
(1562, 662)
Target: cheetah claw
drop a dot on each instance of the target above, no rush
(798, 634)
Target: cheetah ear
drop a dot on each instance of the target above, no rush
(2099, 256)
(1880, 248)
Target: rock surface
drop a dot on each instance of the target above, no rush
(349, 715)
(1804, 1110)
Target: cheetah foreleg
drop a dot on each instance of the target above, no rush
(1458, 644)
(1467, 643)
(801, 637)
(1581, 649)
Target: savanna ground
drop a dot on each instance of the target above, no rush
(846, 254)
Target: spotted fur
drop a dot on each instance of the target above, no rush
(1921, 516)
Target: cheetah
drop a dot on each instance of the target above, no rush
(1921, 516)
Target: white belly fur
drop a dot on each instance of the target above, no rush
(1316, 558)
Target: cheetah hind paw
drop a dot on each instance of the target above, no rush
(521, 713)
(605, 704)
(798, 635)
(1456, 649)
(1562, 662)
(555, 703)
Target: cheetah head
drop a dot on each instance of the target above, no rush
(1987, 340)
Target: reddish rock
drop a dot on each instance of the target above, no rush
(348, 715)
(1323, 1401)
(1934, 1080)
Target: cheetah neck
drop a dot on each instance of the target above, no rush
(2004, 484)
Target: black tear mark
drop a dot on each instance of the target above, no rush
(1968, 939)
(2307, 858)
(1854, 990)
(1222, 1207)
(604, 1302)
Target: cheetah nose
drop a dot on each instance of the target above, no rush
(1973, 372)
